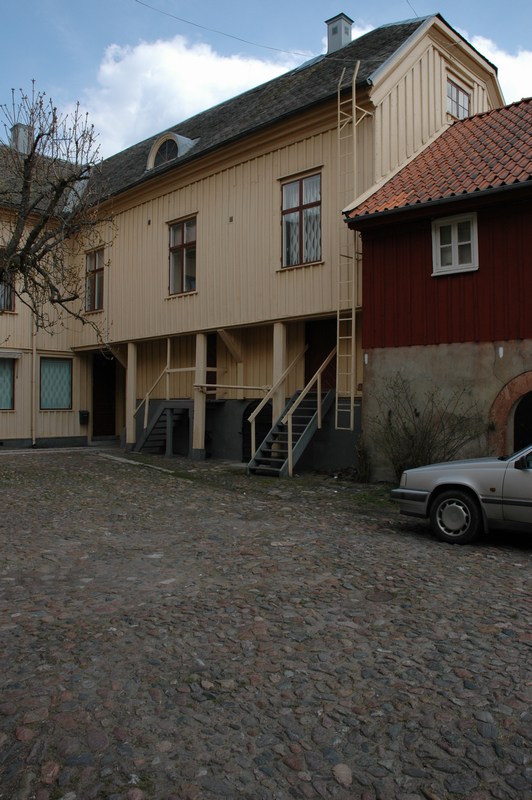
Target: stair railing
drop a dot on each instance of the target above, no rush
(267, 397)
(288, 417)
(166, 371)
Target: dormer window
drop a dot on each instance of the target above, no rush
(458, 100)
(167, 148)
(167, 151)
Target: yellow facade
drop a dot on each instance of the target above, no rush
(253, 315)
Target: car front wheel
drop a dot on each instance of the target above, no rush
(455, 517)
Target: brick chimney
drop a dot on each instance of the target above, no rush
(338, 32)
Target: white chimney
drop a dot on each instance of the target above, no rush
(338, 32)
(21, 138)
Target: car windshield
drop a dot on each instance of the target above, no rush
(516, 454)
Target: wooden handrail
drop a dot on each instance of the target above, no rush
(287, 419)
(254, 414)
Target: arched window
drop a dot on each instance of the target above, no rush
(167, 151)
(168, 147)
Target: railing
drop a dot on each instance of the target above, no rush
(287, 419)
(253, 416)
(166, 371)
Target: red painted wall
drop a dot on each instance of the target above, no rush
(404, 305)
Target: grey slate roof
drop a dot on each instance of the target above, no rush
(308, 85)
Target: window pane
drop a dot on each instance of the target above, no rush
(190, 230)
(311, 234)
(446, 234)
(7, 371)
(190, 269)
(176, 234)
(464, 231)
(176, 263)
(56, 383)
(291, 239)
(291, 195)
(464, 254)
(311, 190)
(98, 294)
(446, 256)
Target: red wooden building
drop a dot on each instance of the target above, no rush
(447, 271)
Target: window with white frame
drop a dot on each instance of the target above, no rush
(458, 100)
(7, 384)
(454, 244)
(56, 383)
(94, 267)
(182, 257)
(301, 221)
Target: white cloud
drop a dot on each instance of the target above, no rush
(150, 87)
(515, 71)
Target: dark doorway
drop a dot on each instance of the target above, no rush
(103, 395)
(263, 425)
(523, 422)
(320, 337)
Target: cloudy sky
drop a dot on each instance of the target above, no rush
(140, 67)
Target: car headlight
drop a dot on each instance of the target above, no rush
(403, 479)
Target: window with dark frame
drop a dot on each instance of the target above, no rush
(301, 221)
(182, 276)
(7, 293)
(7, 296)
(7, 384)
(94, 280)
(458, 100)
(56, 384)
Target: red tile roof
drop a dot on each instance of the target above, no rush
(486, 151)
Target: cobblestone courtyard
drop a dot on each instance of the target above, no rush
(194, 634)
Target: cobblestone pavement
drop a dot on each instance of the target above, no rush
(194, 634)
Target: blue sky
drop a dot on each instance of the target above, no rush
(139, 67)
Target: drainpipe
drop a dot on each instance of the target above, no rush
(33, 403)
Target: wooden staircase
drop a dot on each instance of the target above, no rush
(158, 436)
(297, 426)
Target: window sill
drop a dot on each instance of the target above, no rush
(300, 266)
(181, 294)
(93, 311)
(453, 271)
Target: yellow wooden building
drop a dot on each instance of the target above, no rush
(228, 285)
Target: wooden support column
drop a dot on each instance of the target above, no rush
(131, 394)
(200, 399)
(279, 366)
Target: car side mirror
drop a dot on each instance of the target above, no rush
(525, 462)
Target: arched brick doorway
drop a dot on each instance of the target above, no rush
(502, 414)
(523, 422)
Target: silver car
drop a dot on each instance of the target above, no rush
(463, 499)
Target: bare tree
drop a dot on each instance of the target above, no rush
(413, 430)
(48, 203)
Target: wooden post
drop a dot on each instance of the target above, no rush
(131, 395)
(279, 366)
(200, 399)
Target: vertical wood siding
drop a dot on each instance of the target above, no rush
(405, 305)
